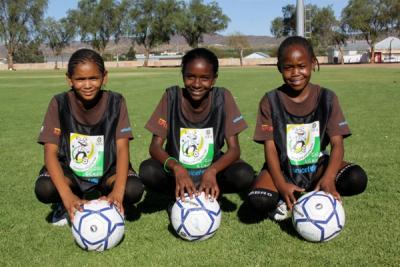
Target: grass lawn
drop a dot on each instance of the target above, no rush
(371, 237)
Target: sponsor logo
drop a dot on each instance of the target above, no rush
(266, 128)
(343, 123)
(162, 123)
(194, 172)
(57, 131)
(308, 169)
(237, 119)
(125, 130)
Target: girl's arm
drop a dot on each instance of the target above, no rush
(284, 188)
(209, 179)
(182, 179)
(328, 179)
(70, 200)
(121, 175)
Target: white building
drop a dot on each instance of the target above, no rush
(257, 55)
(353, 52)
(388, 50)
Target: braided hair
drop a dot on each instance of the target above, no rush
(82, 56)
(200, 53)
(295, 40)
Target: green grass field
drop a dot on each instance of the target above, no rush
(369, 97)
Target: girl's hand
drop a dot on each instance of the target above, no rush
(328, 186)
(209, 183)
(116, 197)
(72, 203)
(287, 192)
(183, 182)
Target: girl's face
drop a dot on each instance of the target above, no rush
(87, 80)
(198, 78)
(297, 67)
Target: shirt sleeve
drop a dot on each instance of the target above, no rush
(124, 129)
(157, 124)
(264, 127)
(50, 131)
(337, 124)
(234, 122)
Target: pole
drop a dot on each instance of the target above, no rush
(300, 18)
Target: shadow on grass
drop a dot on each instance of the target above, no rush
(226, 205)
(248, 215)
(154, 202)
(287, 227)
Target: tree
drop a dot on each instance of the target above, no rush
(29, 52)
(339, 39)
(19, 23)
(323, 25)
(58, 34)
(151, 22)
(197, 19)
(285, 25)
(323, 22)
(369, 18)
(238, 42)
(99, 21)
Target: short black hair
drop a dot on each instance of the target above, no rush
(82, 56)
(295, 40)
(200, 53)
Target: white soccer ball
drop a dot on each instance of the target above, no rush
(99, 226)
(318, 216)
(197, 218)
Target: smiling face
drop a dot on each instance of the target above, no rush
(87, 80)
(296, 67)
(198, 78)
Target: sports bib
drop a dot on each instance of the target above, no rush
(196, 148)
(87, 155)
(303, 143)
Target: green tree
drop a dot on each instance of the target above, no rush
(285, 25)
(151, 22)
(99, 21)
(323, 25)
(369, 18)
(239, 43)
(197, 19)
(58, 35)
(29, 52)
(323, 22)
(19, 23)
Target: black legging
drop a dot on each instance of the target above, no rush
(350, 180)
(238, 177)
(47, 193)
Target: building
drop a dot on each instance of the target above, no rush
(353, 52)
(257, 55)
(388, 50)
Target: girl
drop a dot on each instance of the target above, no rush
(196, 121)
(296, 122)
(86, 133)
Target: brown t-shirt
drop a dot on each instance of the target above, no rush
(234, 122)
(337, 124)
(50, 131)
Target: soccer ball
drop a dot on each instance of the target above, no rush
(197, 218)
(318, 216)
(99, 226)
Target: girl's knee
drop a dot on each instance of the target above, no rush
(134, 189)
(263, 200)
(45, 190)
(351, 180)
(241, 176)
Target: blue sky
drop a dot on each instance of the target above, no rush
(250, 17)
